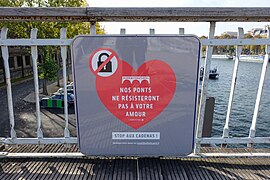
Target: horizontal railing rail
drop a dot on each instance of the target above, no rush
(56, 140)
(170, 14)
(67, 42)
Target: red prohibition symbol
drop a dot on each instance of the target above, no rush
(103, 62)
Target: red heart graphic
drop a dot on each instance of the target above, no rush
(137, 97)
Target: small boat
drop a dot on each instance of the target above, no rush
(251, 58)
(229, 57)
(221, 56)
(213, 74)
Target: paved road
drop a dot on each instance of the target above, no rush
(25, 119)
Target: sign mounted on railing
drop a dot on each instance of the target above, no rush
(136, 95)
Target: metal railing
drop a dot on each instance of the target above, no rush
(33, 42)
(225, 139)
(63, 42)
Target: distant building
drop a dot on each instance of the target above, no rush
(258, 31)
(230, 33)
(20, 64)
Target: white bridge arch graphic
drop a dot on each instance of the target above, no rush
(135, 78)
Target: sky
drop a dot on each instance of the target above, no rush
(197, 28)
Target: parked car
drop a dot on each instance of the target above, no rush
(57, 101)
(61, 91)
(69, 89)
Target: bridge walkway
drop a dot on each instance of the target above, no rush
(132, 167)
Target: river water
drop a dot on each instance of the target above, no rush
(244, 99)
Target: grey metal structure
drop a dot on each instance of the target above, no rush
(172, 64)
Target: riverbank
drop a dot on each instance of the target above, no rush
(242, 58)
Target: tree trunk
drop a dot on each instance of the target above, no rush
(22, 69)
(45, 89)
(58, 62)
(45, 82)
(21, 54)
(68, 61)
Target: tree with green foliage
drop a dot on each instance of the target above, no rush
(47, 29)
(203, 47)
(48, 70)
(257, 49)
(225, 49)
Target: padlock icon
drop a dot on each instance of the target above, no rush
(108, 66)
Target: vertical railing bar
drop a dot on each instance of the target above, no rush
(233, 84)
(207, 66)
(181, 31)
(34, 53)
(63, 33)
(123, 31)
(151, 31)
(5, 55)
(260, 89)
(93, 30)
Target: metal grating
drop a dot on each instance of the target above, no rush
(145, 168)
(131, 168)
